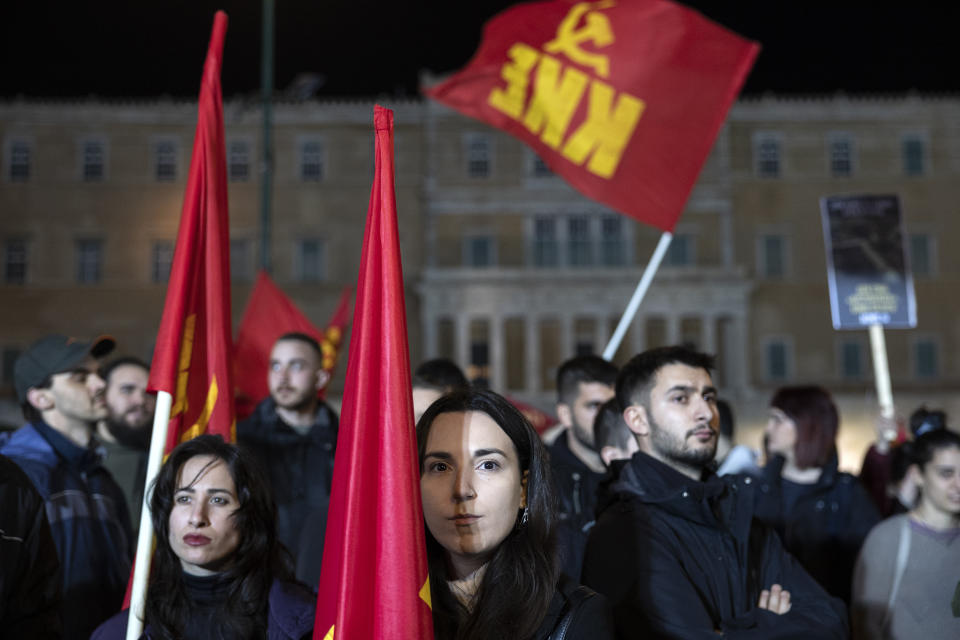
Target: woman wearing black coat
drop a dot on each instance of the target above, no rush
(821, 514)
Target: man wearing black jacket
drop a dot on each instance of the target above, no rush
(676, 548)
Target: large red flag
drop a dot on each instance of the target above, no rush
(269, 315)
(623, 98)
(191, 360)
(374, 583)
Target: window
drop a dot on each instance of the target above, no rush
(20, 153)
(15, 261)
(680, 253)
(165, 159)
(579, 242)
(162, 261)
(89, 261)
(776, 361)
(612, 243)
(841, 156)
(311, 265)
(238, 161)
(478, 371)
(545, 249)
(851, 359)
(93, 159)
(478, 155)
(772, 259)
(540, 168)
(914, 156)
(925, 358)
(767, 156)
(10, 355)
(241, 260)
(311, 160)
(921, 254)
(478, 251)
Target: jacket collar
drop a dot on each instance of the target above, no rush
(291, 610)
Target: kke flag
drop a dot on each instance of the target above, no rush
(191, 360)
(622, 98)
(269, 315)
(374, 583)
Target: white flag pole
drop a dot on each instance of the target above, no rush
(638, 294)
(138, 594)
(881, 373)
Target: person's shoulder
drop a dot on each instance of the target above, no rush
(584, 614)
(292, 608)
(115, 628)
(886, 532)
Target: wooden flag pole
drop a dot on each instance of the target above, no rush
(881, 373)
(638, 294)
(141, 570)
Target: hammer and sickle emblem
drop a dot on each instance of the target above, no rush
(596, 29)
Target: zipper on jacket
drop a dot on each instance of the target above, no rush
(576, 493)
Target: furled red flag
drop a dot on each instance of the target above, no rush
(374, 583)
(538, 419)
(191, 360)
(621, 98)
(269, 315)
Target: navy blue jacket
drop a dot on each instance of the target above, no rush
(88, 519)
(289, 617)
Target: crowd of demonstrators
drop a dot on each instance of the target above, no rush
(583, 384)
(821, 514)
(293, 435)
(125, 432)
(488, 506)
(62, 398)
(432, 379)
(219, 570)
(906, 583)
(676, 548)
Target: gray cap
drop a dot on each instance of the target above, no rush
(54, 354)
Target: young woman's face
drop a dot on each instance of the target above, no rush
(781, 434)
(472, 487)
(203, 533)
(940, 482)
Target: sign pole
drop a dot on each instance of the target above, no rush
(881, 371)
(638, 295)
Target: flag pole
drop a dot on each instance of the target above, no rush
(638, 295)
(141, 569)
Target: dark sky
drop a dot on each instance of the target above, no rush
(368, 48)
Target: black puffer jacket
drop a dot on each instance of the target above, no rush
(678, 558)
(825, 528)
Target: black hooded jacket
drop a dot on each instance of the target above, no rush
(678, 558)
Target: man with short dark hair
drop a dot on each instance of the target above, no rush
(614, 439)
(62, 398)
(583, 384)
(293, 433)
(125, 432)
(676, 549)
(432, 379)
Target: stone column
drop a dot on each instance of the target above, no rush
(498, 364)
(532, 364)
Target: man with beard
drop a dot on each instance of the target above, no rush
(125, 433)
(583, 384)
(62, 399)
(676, 548)
(294, 435)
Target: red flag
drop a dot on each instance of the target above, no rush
(623, 99)
(538, 419)
(191, 360)
(269, 315)
(374, 579)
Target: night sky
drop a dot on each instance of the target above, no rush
(366, 48)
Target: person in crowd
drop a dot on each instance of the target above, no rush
(613, 438)
(488, 508)
(219, 570)
(431, 380)
(293, 434)
(676, 548)
(906, 583)
(733, 458)
(904, 489)
(583, 384)
(821, 514)
(62, 399)
(125, 432)
(29, 568)
(877, 467)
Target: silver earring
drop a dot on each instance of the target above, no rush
(525, 517)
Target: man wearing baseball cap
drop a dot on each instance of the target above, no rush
(62, 399)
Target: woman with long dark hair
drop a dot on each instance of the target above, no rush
(821, 514)
(489, 511)
(218, 570)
